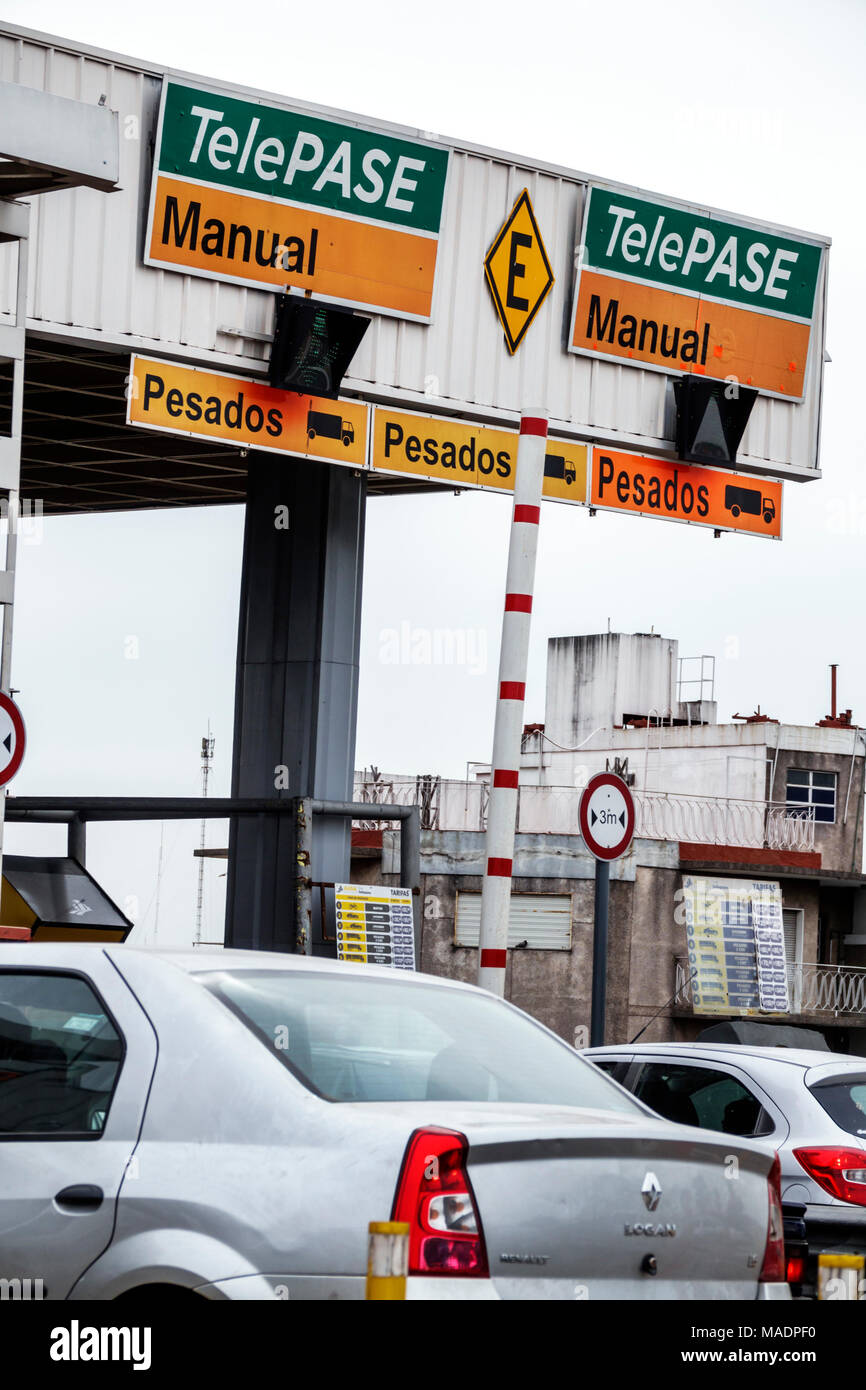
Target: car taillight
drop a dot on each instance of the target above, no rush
(795, 1269)
(841, 1172)
(435, 1196)
(773, 1268)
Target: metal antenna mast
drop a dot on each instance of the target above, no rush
(206, 760)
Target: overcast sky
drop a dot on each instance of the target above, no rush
(756, 107)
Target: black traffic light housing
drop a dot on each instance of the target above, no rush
(313, 345)
(711, 418)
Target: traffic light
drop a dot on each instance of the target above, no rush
(711, 418)
(313, 345)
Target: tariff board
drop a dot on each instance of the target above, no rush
(470, 456)
(254, 193)
(672, 287)
(736, 946)
(375, 925)
(245, 413)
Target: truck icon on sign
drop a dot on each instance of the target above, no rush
(329, 426)
(750, 501)
(556, 466)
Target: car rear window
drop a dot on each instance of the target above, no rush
(844, 1099)
(354, 1039)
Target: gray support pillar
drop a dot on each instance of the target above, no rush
(297, 686)
(410, 871)
(601, 917)
(303, 885)
(76, 846)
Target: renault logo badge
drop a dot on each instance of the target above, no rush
(651, 1191)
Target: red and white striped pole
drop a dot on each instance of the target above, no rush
(508, 727)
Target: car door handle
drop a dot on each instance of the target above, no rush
(82, 1196)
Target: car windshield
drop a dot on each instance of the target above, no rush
(844, 1099)
(354, 1039)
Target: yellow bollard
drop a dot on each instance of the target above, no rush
(387, 1259)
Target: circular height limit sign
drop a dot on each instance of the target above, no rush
(606, 816)
(12, 739)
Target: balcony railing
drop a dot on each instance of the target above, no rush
(450, 804)
(832, 990)
(722, 820)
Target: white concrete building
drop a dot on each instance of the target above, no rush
(751, 801)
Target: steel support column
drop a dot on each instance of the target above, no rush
(297, 686)
(601, 918)
(76, 846)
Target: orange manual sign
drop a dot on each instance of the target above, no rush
(350, 262)
(682, 492)
(247, 414)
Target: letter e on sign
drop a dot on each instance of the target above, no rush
(518, 272)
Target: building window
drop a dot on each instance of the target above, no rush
(816, 790)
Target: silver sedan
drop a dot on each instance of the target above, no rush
(809, 1105)
(227, 1123)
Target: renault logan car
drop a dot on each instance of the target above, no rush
(809, 1105)
(227, 1123)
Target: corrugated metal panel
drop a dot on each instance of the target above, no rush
(541, 920)
(88, 283)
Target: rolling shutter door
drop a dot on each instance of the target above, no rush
(790, 924)
(542, 920)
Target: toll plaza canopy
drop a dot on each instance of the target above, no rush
(228, 196)
(490, 282)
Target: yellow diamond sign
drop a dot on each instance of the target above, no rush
(518, 272)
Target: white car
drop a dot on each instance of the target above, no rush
(227, 1123)
(810, 1106)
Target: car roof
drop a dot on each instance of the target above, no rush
(805, 1058)
(196, 961)
(201, 961)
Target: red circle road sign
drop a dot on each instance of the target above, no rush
(606, 816)
(12, 739)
